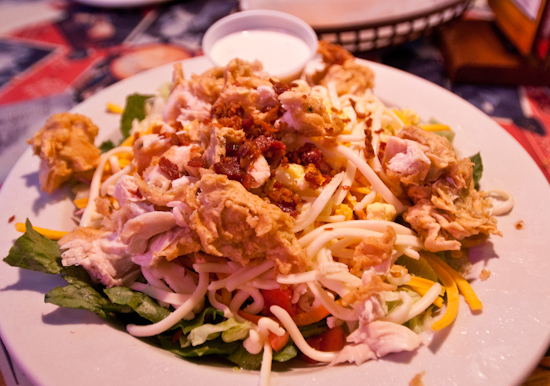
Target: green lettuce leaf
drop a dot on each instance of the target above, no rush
(314, 329)
(418, 267)
(80, 294)
(35, 252)
(135, 109)
(478, 169)
(449, 134)
(106, 146)
(286, 353)
(210, 347)
(245, 360)
(139, 302)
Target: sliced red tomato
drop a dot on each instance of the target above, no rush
(333, 339)
(277, 342)
(279, 297)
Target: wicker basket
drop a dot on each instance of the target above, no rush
(392, 32)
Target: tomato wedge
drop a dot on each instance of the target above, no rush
(333, 339)
(279, 297)
(275, 341)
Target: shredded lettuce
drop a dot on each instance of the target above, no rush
(418, 267)
(230, 331)
(210, 347)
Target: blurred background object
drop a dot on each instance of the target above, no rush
(509, 48)
(369, 24)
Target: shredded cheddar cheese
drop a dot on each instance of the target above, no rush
(452, 295)
(114, 108)
(51, 234)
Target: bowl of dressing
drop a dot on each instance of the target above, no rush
(282, 42)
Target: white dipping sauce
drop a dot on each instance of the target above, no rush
(278, 51)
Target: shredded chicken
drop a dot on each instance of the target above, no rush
(65, 145)
(101, 253)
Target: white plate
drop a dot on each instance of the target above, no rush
(500, 346)
(345, 13)
(120, 3)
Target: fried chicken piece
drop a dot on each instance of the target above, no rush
(65, 145)
(333, 53)
(349, 78)
(374, 285)
(373, 251)
(239, 225)
(307, 115)
(447, 208)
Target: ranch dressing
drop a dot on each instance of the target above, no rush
(278, 51)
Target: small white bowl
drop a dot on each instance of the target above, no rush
(282, 42)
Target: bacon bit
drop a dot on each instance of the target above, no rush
(314, 177)
(280, 87)
(174, 140)
(484, 275)
(169, 168)
(346, 187)
(379, 131)
(519, 225)
(248, 153)
(247, 181)
(368, 122)
(369, 150)
(234, 122)
(196, 162)
(273, 114)
(328, 229)
(10, 220)
(232, 149)
(310, 154)
(230, 167)
(381, 150)
(285, 199)
(180, 139)
(220, 110)
(272, 149)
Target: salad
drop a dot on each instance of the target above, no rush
(260, 220)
